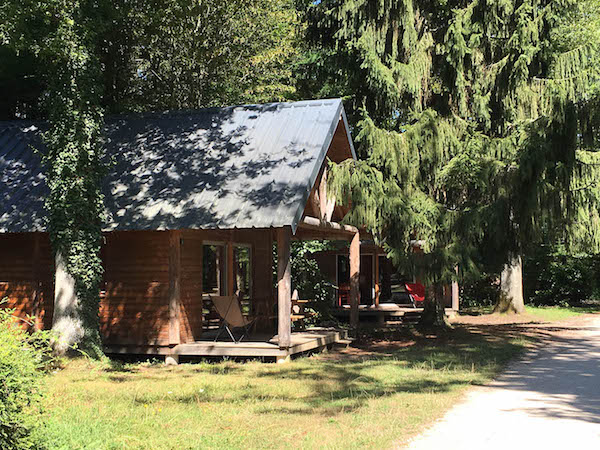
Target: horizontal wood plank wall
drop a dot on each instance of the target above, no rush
(135, 307)
(191, 286)
(27, 276)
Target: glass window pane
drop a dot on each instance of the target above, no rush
(213, 269)
(242, 260)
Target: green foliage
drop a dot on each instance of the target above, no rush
(308, 279)
(157, 55)
(23, 356)
(481, 291)
(554, 278)
(470, 124)
(63, 36)
(191, 54)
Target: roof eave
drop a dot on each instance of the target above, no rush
(340, 114)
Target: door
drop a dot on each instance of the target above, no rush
(366, 280)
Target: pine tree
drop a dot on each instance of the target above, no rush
(466, 125)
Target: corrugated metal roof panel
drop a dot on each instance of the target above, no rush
(238, 167)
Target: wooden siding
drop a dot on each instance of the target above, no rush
(318, 204)
(134, 308)
(191, 286)
(134, 300)
(135, 304)
(27, 276)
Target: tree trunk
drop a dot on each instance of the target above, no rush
(67, 322)
(434, 315)
(511, 287)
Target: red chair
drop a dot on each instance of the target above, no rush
(416, 292)
(344, 294)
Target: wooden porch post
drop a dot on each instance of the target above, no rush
(230, 269)
(284, 287)
(174, 286)
(354, 280)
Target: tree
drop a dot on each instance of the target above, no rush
(61, 35)
(191, 54)
(74, 60)
(465, 125)
(581, 30)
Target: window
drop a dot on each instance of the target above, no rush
(343, 270)
(214, 269)
(242, 265)
(391, 281)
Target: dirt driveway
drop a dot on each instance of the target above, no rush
(550, 399)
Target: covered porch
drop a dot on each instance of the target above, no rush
(207, 263)
(282, 343)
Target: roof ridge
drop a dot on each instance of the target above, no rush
(198, 111)
(181, 112)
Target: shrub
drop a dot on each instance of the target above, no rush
(310, 282)
(23, 356)
(553, 278)
(482, 291)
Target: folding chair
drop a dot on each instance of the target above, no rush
(230, 311)
(416, 292)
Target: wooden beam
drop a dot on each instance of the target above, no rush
(230, 269)
(354, 280)
(303, 234)
(174, 286)
(284, 287)
(312, 223)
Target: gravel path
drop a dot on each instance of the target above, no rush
(548, 400)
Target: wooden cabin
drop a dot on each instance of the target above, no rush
(195, 203)
(382, 293)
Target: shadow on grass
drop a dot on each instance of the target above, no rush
(403, 361)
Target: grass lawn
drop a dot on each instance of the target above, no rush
(553, 313)
(373, 396)
(546, 313)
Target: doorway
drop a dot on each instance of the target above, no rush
(366, 280)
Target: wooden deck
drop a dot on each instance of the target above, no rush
(386, 312)
(256, 346)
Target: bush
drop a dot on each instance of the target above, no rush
(483, 291)
(312, 285)
(553, 278)
(310, 282)
(23, 356)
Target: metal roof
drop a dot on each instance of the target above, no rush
(237, 167)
